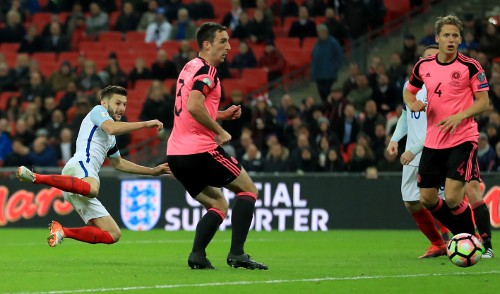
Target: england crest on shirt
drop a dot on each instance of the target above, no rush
(140, 204)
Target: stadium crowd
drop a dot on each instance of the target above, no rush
(345, 128)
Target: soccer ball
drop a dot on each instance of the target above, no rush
(464, 250)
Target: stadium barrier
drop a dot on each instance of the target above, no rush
(311, 202)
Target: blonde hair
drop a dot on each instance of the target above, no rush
(447, 20)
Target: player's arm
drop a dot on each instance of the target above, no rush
(196, 107)
(115, 128)
(480, 105)
(124, 165)
(233, 112)
(400, 131)
(410, 92)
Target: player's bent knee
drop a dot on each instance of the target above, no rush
(116, 235)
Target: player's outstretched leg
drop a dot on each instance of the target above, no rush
(241, 219)
(425, 222)
(87, 234)
(482, 220)
(65, 183)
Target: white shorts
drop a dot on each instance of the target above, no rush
(409, 188)
(87, 208)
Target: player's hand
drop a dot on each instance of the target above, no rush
(392, 148)
(154, 123)
(450, 123)
(418, 106)
(162, 169)
(233, 112)
(223, 138)
(407, 157)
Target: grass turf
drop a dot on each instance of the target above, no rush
(309, 262)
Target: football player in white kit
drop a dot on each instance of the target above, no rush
(80, 180)
(414, 125)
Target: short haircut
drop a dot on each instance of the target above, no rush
(108, 92)
(447, 20)
(433, 46)
(206, 32)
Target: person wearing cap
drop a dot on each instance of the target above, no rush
(158, 31)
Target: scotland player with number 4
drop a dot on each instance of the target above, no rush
(457, 90)
(80, 181)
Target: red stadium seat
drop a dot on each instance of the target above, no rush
(308, 44)
(296, 58)
(113, 17)
(170, 85)
(45, 57)
(9, 47)
(40, 19)
(171, 47)
(286, 43)
(230, 85)
(87, 46)
(72, 57)
(143, 86)
(110, 36)
(48, 68)
(258, 50)
(135, 36)
(254, 78)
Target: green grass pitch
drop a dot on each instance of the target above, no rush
(308, 262)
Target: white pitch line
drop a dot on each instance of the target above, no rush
(167, 286)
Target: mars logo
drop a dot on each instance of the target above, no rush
(140, 204)
(492, 200)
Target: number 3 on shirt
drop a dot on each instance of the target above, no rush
(437, 91)
(178, 111)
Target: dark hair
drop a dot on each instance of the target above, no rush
(206, 32)
(107, 92)
(433, 46)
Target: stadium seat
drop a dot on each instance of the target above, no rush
(295, 58)
(170, 85)
(258, 50)
(47, 68)
(72, 57)
(254, 78)
(308, 44)
(230, 85)
(110, 36)
(40, 19)
(113, 17)
(135, 36)
(87, 46)
(286, 43)
(143, 86)
(9, 47)
(221, 7)
(395, 9)
(45, 57)
(171, 47)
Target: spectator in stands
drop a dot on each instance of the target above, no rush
(79, 33)
(115, 76)
(277, 159)
(430, 36)
(163, 68)
(184, 28)
(315, 7)
(361, 158)
(245, 58)
(259, 29)
(272, 62)
(73, 19)
(389, 163)
(26, 136)
(183, 56)
(482, 58)
(158, 105)
(128, 20)
(468, 44)
(336, 27)
(380, 141)
(303, 27)
(54, 18)
(60, 79)
(7, 78)
(409, 53)
(325, 132)
(386, 95)
(350, 81)
(244, 141)
(362, 93)
(17, 156)
(377, 13)
(347, 128)
(285, 102)
(5, 139)
(35, 87)
(21, 69)
(263, 122)
(490, 41)
(89, 79)
(14, 30)
(334, 161)
(140, 71)
(48, 107)
(41, 153)
(32, 41)
(56, 42)
(160, 30)
(55, 126)
(242, 29)
(252, 160)
(13, 109)
(172, 7)
(285, 8)
(261, 5)
(335, 104)
(485, 153)
(396, 72)
(82, 108)
(201, 9)
(149, 16)
(69, 97)
(97, 22)
(357, 17)
(327, 58)
(66, 146)
(232, 18)
(235, 127)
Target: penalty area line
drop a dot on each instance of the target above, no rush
(236, 283)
